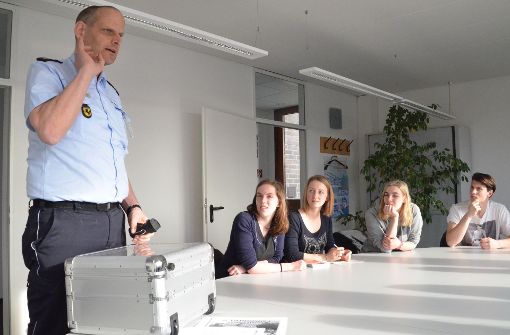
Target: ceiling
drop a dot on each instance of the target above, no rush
(394, 45)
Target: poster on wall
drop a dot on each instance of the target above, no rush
(336, 172)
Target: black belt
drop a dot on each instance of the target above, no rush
(89, 206)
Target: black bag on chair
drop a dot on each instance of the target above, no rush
(218, 257)
(443, 242)
(350, 239)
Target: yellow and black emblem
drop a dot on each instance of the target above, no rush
(86, 111)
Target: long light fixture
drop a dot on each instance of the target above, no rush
(335, 79)
(169, 28)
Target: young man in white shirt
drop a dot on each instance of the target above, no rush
(479, 221)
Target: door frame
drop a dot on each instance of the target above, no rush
(279, 152)
(278, 134)
(296, 203)
(5, 123)
(4, 204)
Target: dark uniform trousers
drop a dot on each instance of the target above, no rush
(53, 234)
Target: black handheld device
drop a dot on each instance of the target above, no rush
(150, 226)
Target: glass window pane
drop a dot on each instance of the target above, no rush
(280, 152)
(5, 42)
(266, 151)
(276, 96)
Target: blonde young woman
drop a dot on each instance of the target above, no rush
(310, 235)
(396, 224)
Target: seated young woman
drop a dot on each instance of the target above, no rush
(310, 235)
(257, 236)
(396, 224)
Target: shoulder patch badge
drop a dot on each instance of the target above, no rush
(86, 111)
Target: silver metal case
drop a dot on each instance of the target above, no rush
(140, 289)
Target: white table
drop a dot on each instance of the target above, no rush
(426, 291)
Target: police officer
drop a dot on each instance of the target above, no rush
(76, 178)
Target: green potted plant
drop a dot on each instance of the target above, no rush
(423, 167)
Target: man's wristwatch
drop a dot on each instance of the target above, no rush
(130, 208)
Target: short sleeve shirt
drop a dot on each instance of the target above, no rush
(87, 164)
(495, 223)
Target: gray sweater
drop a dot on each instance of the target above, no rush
(376, 229)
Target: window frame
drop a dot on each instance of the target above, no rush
(279, 125)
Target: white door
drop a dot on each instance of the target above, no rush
(229, 161)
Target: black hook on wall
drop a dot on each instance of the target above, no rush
(348, 147)
(326, 143)
(340, 144)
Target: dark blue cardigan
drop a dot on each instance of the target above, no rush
(244, 243)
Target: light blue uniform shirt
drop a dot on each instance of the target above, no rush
(88, 162)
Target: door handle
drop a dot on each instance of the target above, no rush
(211, 212)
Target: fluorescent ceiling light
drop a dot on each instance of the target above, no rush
(426, 109)
(169, 28)
(335, 79)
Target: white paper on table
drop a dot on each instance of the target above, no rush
(326, 265)
(319, 266)
(352, 261)
(220, 331)
(269, 326)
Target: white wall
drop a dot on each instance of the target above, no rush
(482, 106)
(163, 88)
(318, 100)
